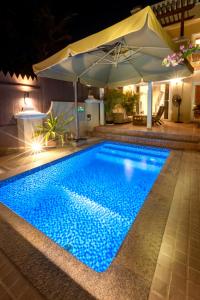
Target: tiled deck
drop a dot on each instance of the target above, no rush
(180, 129)
(177, 274)
(174, 135)
(13, 285)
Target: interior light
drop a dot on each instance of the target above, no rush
(197, 41)
(128, 89)
(176, 80)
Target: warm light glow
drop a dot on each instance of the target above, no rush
(197, 41)
(36, 147)
(129, 89)
(27, 99)
(176, 80)
(28, 102)
(128, 168)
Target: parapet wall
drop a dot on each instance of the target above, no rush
(41, 92)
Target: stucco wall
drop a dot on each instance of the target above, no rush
(186, 90)
(41, 92)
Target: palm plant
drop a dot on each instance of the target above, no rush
(54, 128)
(112, 97)
(129, 102)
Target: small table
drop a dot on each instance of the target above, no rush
(139, 120)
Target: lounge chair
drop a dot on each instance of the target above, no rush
(156, 119)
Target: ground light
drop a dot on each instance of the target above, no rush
(36, 147)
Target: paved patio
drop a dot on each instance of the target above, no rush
(177, 273)
(168, 127)
(180, 136)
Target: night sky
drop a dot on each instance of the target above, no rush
(32, 30)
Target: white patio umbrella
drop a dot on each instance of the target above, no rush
(122, 54)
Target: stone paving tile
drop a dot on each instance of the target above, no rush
(194, 290)
(13, 285)
(30, 294)
(155, 296)
(10, 278)
(19, 287)
(165, 261)
(182, 260)
(175, 294)
(193, 276)
(160, 287)
(180, 257)
(4, 292)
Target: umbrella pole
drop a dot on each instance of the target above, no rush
(149, 106)
(75, 84)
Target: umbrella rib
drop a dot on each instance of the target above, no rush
(117, 54)
(95, 63)
(108, 60)
(131, 56)
(148, 47)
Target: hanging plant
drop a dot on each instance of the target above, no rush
(178, 58)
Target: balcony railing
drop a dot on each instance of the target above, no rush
(174, 11)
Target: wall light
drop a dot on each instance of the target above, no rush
(27, 100)
(197, 42)
(176, 80)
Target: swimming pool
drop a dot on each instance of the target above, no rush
(86, 202)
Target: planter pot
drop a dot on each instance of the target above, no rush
(195, 56)
(51, 144)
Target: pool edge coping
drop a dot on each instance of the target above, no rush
(67, 262)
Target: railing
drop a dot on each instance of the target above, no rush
(174, 11)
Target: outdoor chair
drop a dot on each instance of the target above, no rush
(156, 119)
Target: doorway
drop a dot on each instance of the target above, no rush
(195, 98)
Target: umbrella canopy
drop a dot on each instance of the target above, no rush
(122, 54)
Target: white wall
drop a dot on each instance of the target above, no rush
(185, 90)
(158, 97)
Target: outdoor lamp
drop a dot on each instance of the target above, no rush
(27, 100)
(26, 97)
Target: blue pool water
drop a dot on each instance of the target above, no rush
(87, 202)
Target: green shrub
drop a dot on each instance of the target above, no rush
(54, 128)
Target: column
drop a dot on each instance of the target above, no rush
(102, 112)
(149, 106)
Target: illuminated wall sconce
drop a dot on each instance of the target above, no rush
(27, 100)
(176, 81)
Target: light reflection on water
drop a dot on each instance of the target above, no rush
(128, 168)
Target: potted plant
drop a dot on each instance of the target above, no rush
(129, 103)
(111, 98)
(179, 57)
(54, 129)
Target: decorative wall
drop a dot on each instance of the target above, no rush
(41, 92)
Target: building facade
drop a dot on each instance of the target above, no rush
(181, 20)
